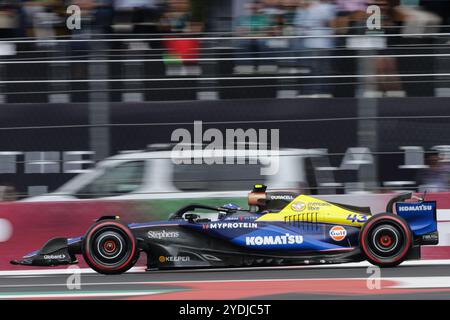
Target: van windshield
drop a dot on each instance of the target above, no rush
(217, 177)
(122, 179)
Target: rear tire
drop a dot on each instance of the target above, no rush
(385, 240)
(109, 247)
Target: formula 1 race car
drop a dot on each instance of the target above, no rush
(279, 228)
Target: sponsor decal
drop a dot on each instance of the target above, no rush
(163, 259)
(54, 256)
(163, 234)
(417, 207)
(357, 218)
(241, 218)
(298, 206)
(431, 236)
(231, 225)
(317, 205)
(338, 233)
(281, 197)
(273, 240)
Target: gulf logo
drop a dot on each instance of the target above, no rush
(338, 233)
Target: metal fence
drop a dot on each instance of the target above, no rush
(99, 94)
(159, 67)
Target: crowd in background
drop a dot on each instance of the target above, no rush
(316, 20)
(43, 18)
(46, 18)
(265, 45)
(324, 19)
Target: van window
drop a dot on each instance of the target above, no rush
(216, 177)
(121, 179)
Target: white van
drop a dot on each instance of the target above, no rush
(155, 175)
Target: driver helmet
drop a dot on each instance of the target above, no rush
(231, 206)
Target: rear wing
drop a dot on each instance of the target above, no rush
(399, 198)
(420, 215)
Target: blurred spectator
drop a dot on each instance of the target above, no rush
(315, 19)
(351, 6)
(103, 16)
(42, 19)
(177, 18)
(10, 21)
(289, 8)
(440, 8)
(416, 20)
(351, 16)
(289, 12)
(181, 53)
(272, 8)
(274, 13)
(96, 16)
(252, 24)
(436, 177)
(389, 86)
(137, 16)
(88, 27)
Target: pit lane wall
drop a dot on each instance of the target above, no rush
(24, 227)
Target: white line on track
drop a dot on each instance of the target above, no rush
(364, 264)
(183, 282)
(420, 282)
(402, 283)
(58, 271)
(78, 294)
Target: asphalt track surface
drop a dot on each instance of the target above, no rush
(420, 280)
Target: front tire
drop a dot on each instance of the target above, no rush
(385, 240)
(109, 247)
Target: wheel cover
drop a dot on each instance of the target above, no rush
(386, 241)
(110, 247)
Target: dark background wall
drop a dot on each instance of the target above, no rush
(303, 123)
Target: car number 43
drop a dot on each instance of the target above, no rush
(357, 218)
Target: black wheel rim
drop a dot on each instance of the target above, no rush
(110, 246)
(386, 240)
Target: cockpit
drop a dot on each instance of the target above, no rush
(259, 202)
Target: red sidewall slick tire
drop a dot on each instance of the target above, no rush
(109, 247)
(385, 240)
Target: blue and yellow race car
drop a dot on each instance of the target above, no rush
(278, 228)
